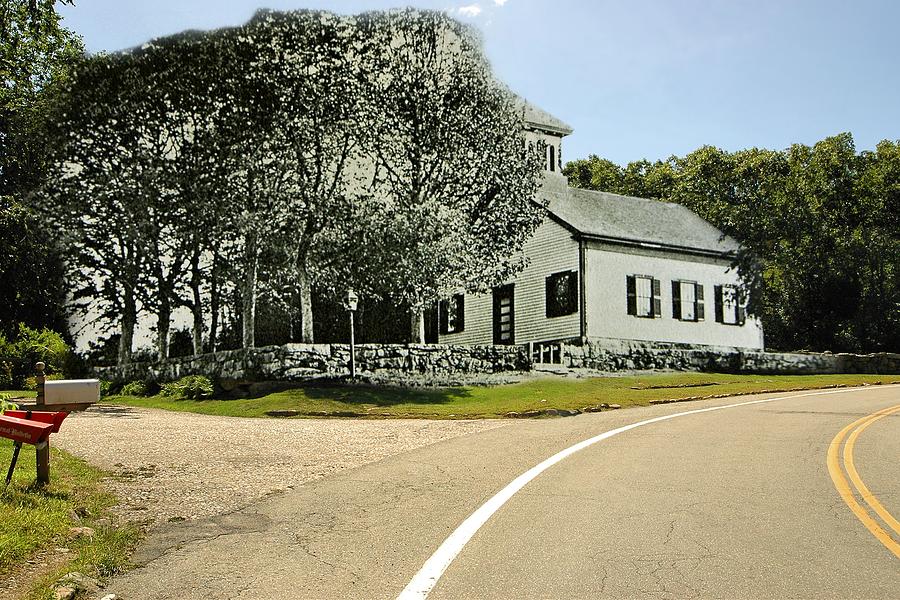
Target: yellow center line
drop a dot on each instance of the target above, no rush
(864, 491)
(843, 488)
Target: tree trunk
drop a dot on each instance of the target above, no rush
(163, 324)
(306, 310)
(248, 289)
(128, 318)
(418, 324)
(163, 311)
(197, 307)
(214, 304)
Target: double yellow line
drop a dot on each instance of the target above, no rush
(843, 487)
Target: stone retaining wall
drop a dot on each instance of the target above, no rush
(616, 355)
(298, 362)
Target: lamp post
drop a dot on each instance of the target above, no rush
(350, 302)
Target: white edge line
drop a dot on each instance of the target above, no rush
(424, 581)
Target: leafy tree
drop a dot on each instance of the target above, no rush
(96, 196)
(313, 62)
(32, 267)
(172, 118)
(595, 173)
(450, 202)
(878, 241)
(184, 71)
(639, 178)
(649, 180)
(35, 54)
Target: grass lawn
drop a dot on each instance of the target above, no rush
(495, 401)
(18, 393)
(34, 522)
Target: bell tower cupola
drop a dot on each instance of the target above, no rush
(542, 127)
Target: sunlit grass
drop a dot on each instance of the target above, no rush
(495, 401)
(36, 519)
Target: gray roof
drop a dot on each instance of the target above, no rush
(541, 119)
(637, 220)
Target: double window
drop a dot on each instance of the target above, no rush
(562, 294)
(687, 301)
(644, 298)
(452, 314)
(643, 293)
(730, 308)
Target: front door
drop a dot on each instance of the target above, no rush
(431, 323)
(504, 315)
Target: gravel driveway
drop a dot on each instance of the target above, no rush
(174, 466)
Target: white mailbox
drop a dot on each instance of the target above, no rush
(72, 391)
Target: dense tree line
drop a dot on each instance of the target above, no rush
(36, 54)
(820, 226)
(241, 170)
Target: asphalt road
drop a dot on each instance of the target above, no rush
(731, 503)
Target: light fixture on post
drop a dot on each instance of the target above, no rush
(350, 302)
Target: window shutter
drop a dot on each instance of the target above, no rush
(676, 299)
(442, 316)
(631, 290)
(700, 311)
(657, 300)
(718, 302)
(741, 314)
(549, 297)
(460, 312)
(572, 296)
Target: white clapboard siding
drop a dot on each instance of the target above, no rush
(606, 269)
(551, 250)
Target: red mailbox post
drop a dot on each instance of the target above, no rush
(28, 427)
(23, 430)
(33, 425)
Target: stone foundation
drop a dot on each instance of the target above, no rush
(617, 355)
(301, 362)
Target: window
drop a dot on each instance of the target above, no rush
(452, 314)
(643, 294)
(687, 301)
(562, 294)
(552, 150)
(730, 308)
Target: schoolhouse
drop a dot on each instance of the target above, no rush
(608, 267)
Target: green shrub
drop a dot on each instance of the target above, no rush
(30, 383)
(134, 388)
(192, 387)
(6, 372)
(105, 386)
(5, 404)
(18, 356)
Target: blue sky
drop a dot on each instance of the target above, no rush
(639, 79)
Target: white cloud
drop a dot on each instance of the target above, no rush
(499, 2)
(472, 10)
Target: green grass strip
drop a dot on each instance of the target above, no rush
(496, 401)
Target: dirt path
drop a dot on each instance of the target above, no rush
(180, 466)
